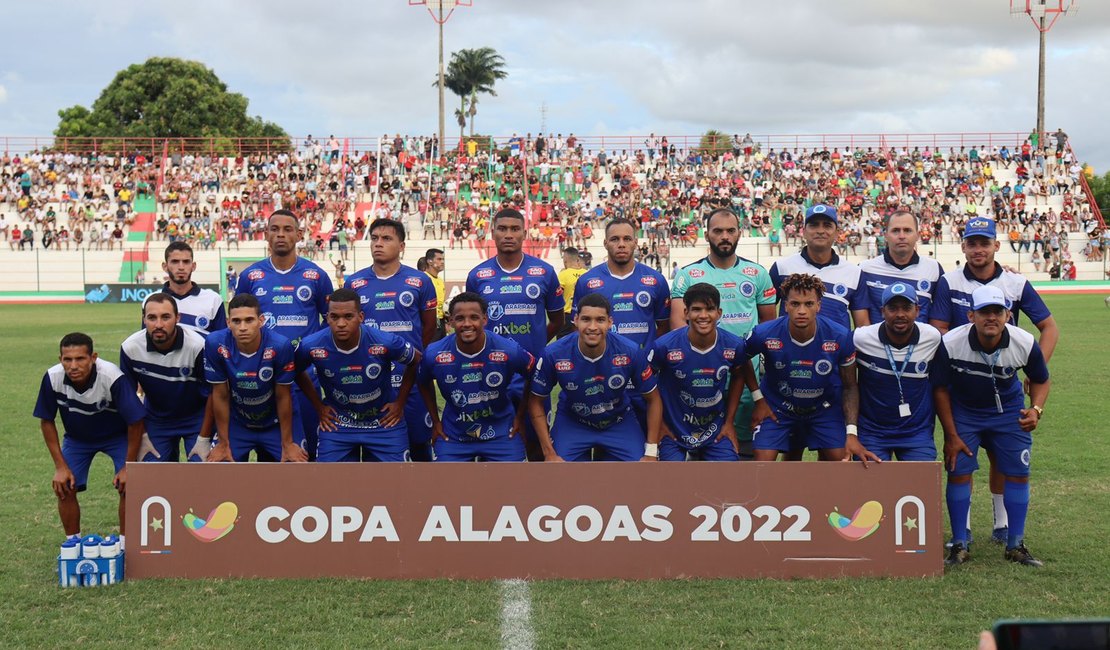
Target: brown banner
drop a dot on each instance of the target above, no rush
(566, 520)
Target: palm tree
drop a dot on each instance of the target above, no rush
(471, 72)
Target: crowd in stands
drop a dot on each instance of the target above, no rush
(569, 189)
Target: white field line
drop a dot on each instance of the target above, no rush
(516, 616)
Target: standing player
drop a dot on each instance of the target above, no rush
(362, 414)
(524, 297)
(988, 406)
(292, 292)
(747, 296)
(900, 263)
(166, 360)
(474, 369)
(902, 364)
(809, 380)
(201, 310)
(950, 309)
(700, 368)
(251, 369)
(573, 268)
(401, 300)
(597, 371)
(844, 300)
(100, 414)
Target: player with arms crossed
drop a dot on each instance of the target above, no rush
(251, 370)
(597, 371)
(951, 306)
(988, 406)
(902, 368)
(361, 415)
(747, 296)
(100, 414)
(900, 263)
(401, 300)
(700, 367)
(166, 360)
(473, 369)
(525, 300)
(809, 380)
(293, 295)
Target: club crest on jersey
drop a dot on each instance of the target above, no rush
(747, 289)
(840, 290)
(358, 284)
(414, 282)
(616, 382)
(532, 290)
(376, 350)
(459, 398)
(498, 356)
(536, 271)
(186, 371)
(266, 373)
(484, 274)
(921, 367)
(311, 275)
(750, 271)
(643, 299)
(317, 353)
(830, 346)
(373, 370)
(494, 379)
(823, 366)
(405, 299)
(773, 344)
(675, 356)
(304, 292)
(563, 366)
(621, 360)
(202, 322)
(256, 274)
(495, 312)
(924, 285)
(594, 283)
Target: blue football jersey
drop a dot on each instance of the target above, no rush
(801, 377)
(252, 378)
(637, 300)
(880, 272)
(694, 383)
(476, 387)
(395, 304)
(844, 290)
(974, 374)
(595, 391)
(952, 300)
(519, 299)
(356, 382)
(172, 382)
(201, 310)
(921, 365)
(293, 301)
(100, 412)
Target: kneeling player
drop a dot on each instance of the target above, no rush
(251, 370)
(698, 366)
(808, 395)
(597, 371)
(900, 382)
(362, 414)
(474, 369)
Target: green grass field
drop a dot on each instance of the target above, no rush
(1068, 529)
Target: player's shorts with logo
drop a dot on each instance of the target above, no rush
(824, 429)
(1001, 434)
(573, 441)
(349, 445)
(710, 450)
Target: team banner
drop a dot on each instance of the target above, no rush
(110, 293)
(533, 520)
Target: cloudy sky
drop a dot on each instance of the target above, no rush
(602, 67)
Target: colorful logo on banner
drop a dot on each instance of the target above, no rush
(218, 524)
(861, 525)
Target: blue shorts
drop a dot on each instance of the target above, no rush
(353, 445)
(78, 455)
(711, 450)
(419, 425)
(502, 449)
(1000, 434)
(917, 447)
(167, 439)
(304, 417)
(266, 443)
(573, 441)
(822, 430)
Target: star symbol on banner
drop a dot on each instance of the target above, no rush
(910, 523)
(156, 524)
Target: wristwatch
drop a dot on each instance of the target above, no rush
(1039, 410)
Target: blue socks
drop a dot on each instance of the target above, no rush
(958, 496)
(1016, 498)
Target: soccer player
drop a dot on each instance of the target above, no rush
(251, 369)
(401, 300)
(901, 389)
(900, 263)
(362, 413)
(100, 414)
(473, 369)
(844, 300)
(524, 297)
(201, 310)
(573, 268)
(747, 296)
(292, 292)
(700, 370)
(597, 370)
(166, 360)
(950, 309)
(436, 263)
(808, 395)
(988, 406)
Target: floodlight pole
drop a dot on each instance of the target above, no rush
(442, 109)
(1040, 83)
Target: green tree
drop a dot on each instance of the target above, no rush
(1100, 188)
(714, 142)
(166, 98)
(470, 73)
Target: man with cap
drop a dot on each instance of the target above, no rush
(900, 263)
(844, 300)
(952, 300)
(988, 409)
(901, 366)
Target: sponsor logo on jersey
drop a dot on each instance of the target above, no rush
(646, 374)
(594, 283)
(223, 352)
(414, 282)
(510, 289)
(773, 344)
(487, 289)
(268, 353)
(449, 378)
(536, 271)
(512, 329)
(317, 353)
(256, 274)
(376, 349)
(260, 292)
(769, 293)
(830, 346)
(311, 275)
(472, 377)
(697, 273)
(563, 365)
(281, 300)
(648, 280)
(750, 271)
(621, 360)
(360, 283)
(484, 274)
(729, 354)
(498, 356)
(674, 356)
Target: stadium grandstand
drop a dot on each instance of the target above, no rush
(78, 212)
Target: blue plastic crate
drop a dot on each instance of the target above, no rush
(90, 572)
